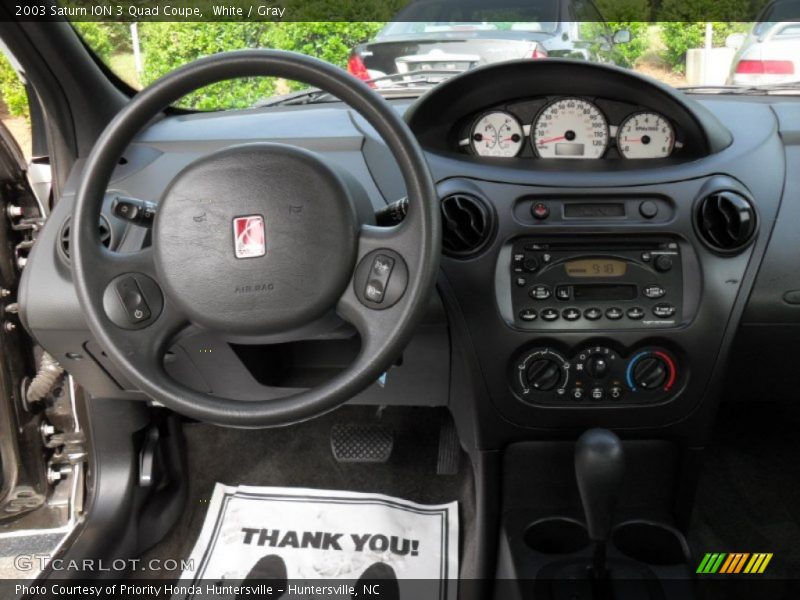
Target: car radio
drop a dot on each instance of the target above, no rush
(599, 284)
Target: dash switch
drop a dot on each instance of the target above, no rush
(378, 278)
(132, 299)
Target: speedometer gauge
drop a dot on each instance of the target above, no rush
(497, 134)
(570, 128)
(645, 135)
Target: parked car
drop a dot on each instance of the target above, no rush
(770, 52)
(445, 35)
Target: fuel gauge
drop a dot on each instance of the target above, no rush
(497, 134)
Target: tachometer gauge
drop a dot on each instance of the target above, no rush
(570, 128)
(645, 135)
(497, 134)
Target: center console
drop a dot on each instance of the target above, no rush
(586, 284)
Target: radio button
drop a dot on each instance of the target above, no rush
(664, 311)
(648, 209)
(594, 313)
(654, 291)
(549, 314)
(527, 314)
(540, 292)
(635, 313)
(663, 263)
(571, 314)
(531, 265)
(614, 313)
(564, 292)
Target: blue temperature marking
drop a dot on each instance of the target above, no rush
(629, 371)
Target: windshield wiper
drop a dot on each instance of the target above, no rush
(792, 86)
(410, 78)
(308, 96)
(399, 81)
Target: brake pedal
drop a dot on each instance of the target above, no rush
(361, 443)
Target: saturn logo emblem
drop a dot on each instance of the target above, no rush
(249, 237)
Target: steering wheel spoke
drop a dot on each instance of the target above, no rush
(109, 264)
(145, 347)
(376, 301)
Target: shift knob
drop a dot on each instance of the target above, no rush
(599, 467)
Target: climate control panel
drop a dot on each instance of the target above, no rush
(596, 374)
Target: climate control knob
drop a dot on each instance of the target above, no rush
(652, 370)
(543, 374)
(649, 373)
(597, 366)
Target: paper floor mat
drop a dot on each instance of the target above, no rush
(324, 535)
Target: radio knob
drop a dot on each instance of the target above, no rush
(663, 263)
(649, 372)
(543, 374)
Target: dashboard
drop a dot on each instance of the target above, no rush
(581, 285)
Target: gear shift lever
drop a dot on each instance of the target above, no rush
(599, 467)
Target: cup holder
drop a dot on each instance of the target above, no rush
(556, 535)
(650, 542)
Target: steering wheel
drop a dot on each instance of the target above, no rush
(256, 239)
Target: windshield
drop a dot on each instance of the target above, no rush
(430, 41)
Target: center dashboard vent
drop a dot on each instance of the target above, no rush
(467, 224)
(726, 221)
(63, 238)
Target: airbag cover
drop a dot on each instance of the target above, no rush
(288, 276)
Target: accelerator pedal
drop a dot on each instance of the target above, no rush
(361, 443)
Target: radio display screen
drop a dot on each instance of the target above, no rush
(595, 292)
(596, 267)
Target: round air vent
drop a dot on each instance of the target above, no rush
(467, 224)
(105, 235)
(726, 221)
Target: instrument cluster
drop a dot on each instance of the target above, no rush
(569, 128)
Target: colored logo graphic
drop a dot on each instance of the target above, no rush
(720, 563)
(249, 238)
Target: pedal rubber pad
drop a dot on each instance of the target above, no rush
(361, 443)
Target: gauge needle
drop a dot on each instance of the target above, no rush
(555, 139)
(634, 140)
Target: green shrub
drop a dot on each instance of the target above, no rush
(627, 14)
(96, 36)
(330, 41)
(166, 46)
(12, 89)
(682, 28)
